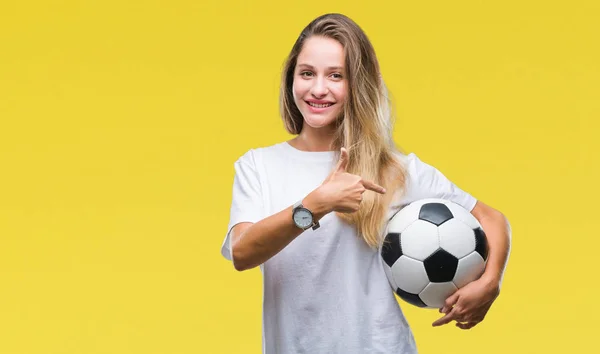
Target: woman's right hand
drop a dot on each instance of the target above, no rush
(342, 190)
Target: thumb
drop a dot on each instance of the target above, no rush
(450, 301)
(343, 162)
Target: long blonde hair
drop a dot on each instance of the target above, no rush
(364, 128)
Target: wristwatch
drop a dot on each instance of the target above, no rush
(303, 218)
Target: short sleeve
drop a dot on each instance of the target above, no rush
(246, 199)
(427, 181)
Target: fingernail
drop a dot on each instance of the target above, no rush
(383, 190)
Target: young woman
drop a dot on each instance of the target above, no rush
(311, 211)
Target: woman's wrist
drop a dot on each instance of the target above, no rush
(318, 207)
(492, 279)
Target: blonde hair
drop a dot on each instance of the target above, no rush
(365, 126)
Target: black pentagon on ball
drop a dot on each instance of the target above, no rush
(481, 245)
(391, 249)
(440, 266)
(435, 213)
(410, 298)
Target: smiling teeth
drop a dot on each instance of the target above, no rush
(320, 105)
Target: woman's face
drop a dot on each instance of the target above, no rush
(320, 85)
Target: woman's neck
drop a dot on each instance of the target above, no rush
(313, 140)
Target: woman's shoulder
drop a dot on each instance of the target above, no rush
(259, 153)
(413, 165)
(406, 158)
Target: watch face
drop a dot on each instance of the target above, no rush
(303, 218)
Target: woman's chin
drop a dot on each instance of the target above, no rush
(319, 122)
(318, 125)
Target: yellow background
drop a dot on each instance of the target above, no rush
(120, 122)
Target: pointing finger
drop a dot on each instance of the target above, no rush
(373, 187)
(447, 318)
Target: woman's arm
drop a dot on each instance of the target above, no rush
(498, 232)
(254, 243)
(340, 192)
(469, 305)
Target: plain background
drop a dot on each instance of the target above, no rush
(120, 122)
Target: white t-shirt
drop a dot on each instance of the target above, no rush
(326, 292)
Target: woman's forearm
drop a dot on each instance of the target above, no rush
(267, 237)
(498, 232)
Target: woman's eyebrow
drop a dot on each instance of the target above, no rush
(329, 68)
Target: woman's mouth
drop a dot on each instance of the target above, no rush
(317, 107)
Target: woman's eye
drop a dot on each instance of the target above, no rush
(305, 72)
(337, 76)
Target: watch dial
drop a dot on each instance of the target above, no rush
(303, 218)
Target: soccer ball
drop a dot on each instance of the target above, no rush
(432, 247)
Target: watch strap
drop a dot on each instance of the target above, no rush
(297, 204)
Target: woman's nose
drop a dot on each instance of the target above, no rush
(319, 87)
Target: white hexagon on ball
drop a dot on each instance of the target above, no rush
(435, 294)
(389, 275)
(469, 268)
(457, 238)
(409, 275)
(419, 240)
(410, 214)
(463, 215)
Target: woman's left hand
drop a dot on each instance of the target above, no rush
(469, 304)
